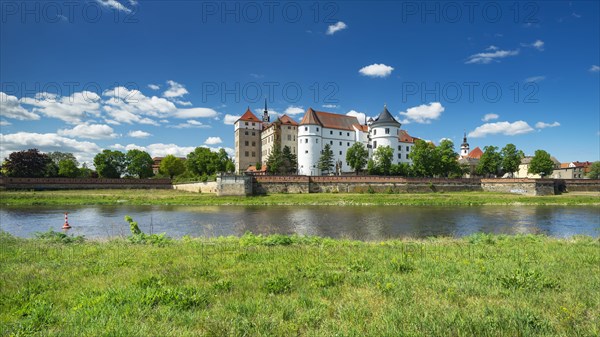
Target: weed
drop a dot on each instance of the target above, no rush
(58, 237)
(278, 285)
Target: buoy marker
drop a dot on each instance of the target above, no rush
(66, 225)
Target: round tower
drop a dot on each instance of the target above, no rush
(384, 131)
(309, 144)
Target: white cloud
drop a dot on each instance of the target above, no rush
(492, 48)
(46, 142)
(11, 108)
(139, 134)
(257, 75)
(154, 86)
(594, 68)
(537, 44)
(294, 110)
(535, 79)
(503, 128)
(230, 119)
(91, 131)
(259, 112)
(423, 114)
(195, 113)
(213, 141)
(190, 124)
(361, 116)
(542, 125)
(489, 117)
(175, 90)
(114, 4)
(443, 139)
(330, 106)
(485, 58)
(376, 70)
(5, 123)
(71, 109)
(332, 29)
(158, 150)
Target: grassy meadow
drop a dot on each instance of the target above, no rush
(173, 197)
(481, 285)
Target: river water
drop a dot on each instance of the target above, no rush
(353, 222)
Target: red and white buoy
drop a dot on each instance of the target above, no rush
(66, 225)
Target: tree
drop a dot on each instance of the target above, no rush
(201, 161)
(110, 164)
(490, 161)
(511, 158)
(275, 161)
(139, 164)
(290, 161)
(326, 160)
(400, 169)
(383, 157)
(594, 170)
(68, 168)
(171, 166)
(57, 157)
(541, 164)
(447, 160)
(423, 156)
(30, 164)
(357, 157)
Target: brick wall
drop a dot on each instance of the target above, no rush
(77, 183)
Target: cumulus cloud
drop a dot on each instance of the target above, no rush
(294, 110)
(190, 124)
(332, 29)
(10, 107)
(542, 125)
(485, 58)
(213, 140)
(535, 79)
(139, 134)
(157, 150)
(195, 113)
(154, 86)
(376, 70)
(114, 5)
(90, 131)
(489, 117)
(330, 106)
(230, 119)
(5, 123)
(47, 142)
(71, 109)
(361, 116)
(594, 68)
(423, 114)
(175, 90)
(503, 128)
(537, 44)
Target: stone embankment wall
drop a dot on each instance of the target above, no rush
(81, 184)
(378, 184)
(578, 185)
(207, 187)
(234, 185)
(519, 186)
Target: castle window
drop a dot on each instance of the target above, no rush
(306, 128)
(246, 143)
(246, 133)
(399, 155)
(399, 147)
(317, 129)
(374, 132)
(407, 156)
(375, 144)
(348, 144)
(253, 133)
(340, 133)
(246, 154)
(387, 131)
(306, 140)
(289, 127)
(348, 134)
(340, 153)
(245, 123)
(407, 148)
(289, 137)
(253, 154)
(317, 140)
(331, 132)
(340, 143)
(253, 124)
(306, 151)
(253, 143)
(331, 142)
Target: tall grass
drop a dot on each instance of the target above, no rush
(481, 285)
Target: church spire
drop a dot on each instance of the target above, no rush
(266, 117)
(464, 147)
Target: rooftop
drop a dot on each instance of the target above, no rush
(329, 120)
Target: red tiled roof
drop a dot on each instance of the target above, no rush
(287, 120)
(329, 120)
(475, 153)
(363, 128)
(248, 116)
(405, 137)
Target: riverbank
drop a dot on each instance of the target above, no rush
(288, 285)
(173, 197)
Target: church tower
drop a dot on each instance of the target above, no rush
(266, 118)
(464, 147)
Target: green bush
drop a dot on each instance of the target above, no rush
(58, 237)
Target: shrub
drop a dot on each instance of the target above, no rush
(58, 237)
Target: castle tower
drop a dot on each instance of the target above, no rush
(309, 143)
(464, 147)
(247, 141)
(384, 131)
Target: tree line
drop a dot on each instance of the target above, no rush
(199, 164)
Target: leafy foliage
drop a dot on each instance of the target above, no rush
(31, 163)
(203, 161)
(58, 237)
(383, 157)
(68, 168)
(357, 156)
(490, 162)
(541, 163)
(171, 166)
(326, 160)
(423, 156)
(110, 164)
(139, 164)
(511, 158)
(594, 170)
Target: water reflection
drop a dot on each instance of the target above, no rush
(355, 222)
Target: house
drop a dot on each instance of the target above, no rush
(523, 171)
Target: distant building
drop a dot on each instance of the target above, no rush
(281, 133)
(523, 171)
(469, 158)
(247, 141)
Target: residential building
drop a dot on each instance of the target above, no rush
(523, 171)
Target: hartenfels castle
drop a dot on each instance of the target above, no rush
(255, 139)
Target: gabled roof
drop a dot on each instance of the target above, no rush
(248, 116)
(287, 120)
(475, 153)
(405, 137)
(329, 120)
(385, 117)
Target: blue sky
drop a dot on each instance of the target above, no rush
(168, 76)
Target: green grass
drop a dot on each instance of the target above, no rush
(482, 285)
(173, 197)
